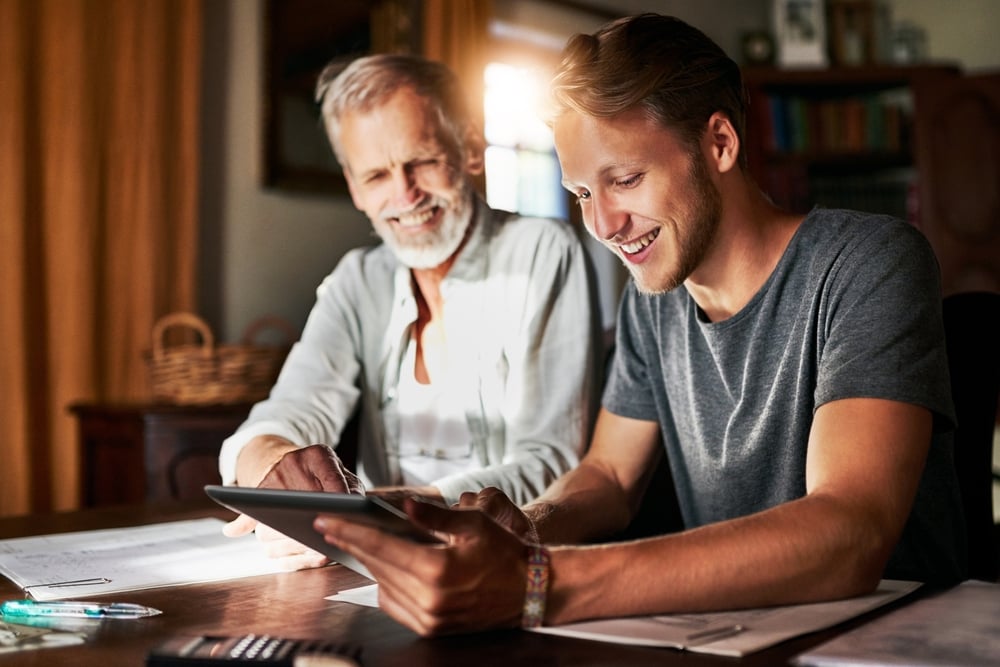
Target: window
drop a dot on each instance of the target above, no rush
(522, 171)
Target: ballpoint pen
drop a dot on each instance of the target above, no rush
(12, 609)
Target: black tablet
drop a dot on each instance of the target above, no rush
(291, 513)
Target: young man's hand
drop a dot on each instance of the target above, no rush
(474, 582)
(502, 509)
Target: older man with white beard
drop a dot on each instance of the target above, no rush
(468, 341)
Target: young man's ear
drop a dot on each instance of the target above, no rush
(723, 141)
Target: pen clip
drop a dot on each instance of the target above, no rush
(61, 584)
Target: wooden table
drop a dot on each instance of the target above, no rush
(292, 605)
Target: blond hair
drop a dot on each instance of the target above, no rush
(660, 64)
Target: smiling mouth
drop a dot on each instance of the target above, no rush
(417, 218)
(633, 247)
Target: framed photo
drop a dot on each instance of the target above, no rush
(301, 37)
(852, 32)
(800, 33)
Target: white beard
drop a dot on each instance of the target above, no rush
(433, 248)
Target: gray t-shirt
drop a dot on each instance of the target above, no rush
(853, 309)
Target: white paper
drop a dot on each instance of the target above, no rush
(365, 596)
(149, 556)
(715, 632)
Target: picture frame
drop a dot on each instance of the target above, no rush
(800, 33)
(301, 38)
(852, 32)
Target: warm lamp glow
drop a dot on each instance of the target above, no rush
(522, 173)
(513, 106)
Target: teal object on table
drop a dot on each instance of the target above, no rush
(13, 609)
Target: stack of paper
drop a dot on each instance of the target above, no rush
(97, 562)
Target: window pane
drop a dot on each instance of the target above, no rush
(501, 178)
(522, 172)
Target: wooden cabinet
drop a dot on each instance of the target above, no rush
(148, 452)
(958, 152)
(921, 143)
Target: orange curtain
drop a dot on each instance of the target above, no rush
(456, 33)
(98, 212)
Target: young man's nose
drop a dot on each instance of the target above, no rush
(606, 218)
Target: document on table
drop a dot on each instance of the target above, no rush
(15, 638)
(732, 633)
(97, 562)
(364, 596)
(959, 627)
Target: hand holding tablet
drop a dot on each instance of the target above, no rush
(292, 512)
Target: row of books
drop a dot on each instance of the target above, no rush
(893, 192)
(873, 123)
(889, 192)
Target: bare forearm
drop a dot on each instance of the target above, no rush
(808, 550)
(583, 505)
(597, 499)
(865, 458)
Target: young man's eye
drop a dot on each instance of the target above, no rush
(582, 196)
(629, 181)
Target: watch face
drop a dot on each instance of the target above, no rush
(758, 48)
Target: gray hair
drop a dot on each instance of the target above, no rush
(365, 83)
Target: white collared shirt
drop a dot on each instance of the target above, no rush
(522, 321)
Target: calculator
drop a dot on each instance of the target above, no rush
(250, 649)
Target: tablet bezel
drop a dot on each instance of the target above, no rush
(292, 512)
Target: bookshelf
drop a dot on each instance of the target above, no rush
(919, 142)
(839, 137)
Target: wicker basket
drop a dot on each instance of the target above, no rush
(192, 374)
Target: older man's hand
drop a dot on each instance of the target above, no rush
(312, 468)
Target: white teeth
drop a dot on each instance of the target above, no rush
(416, 218)
(639, 244)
